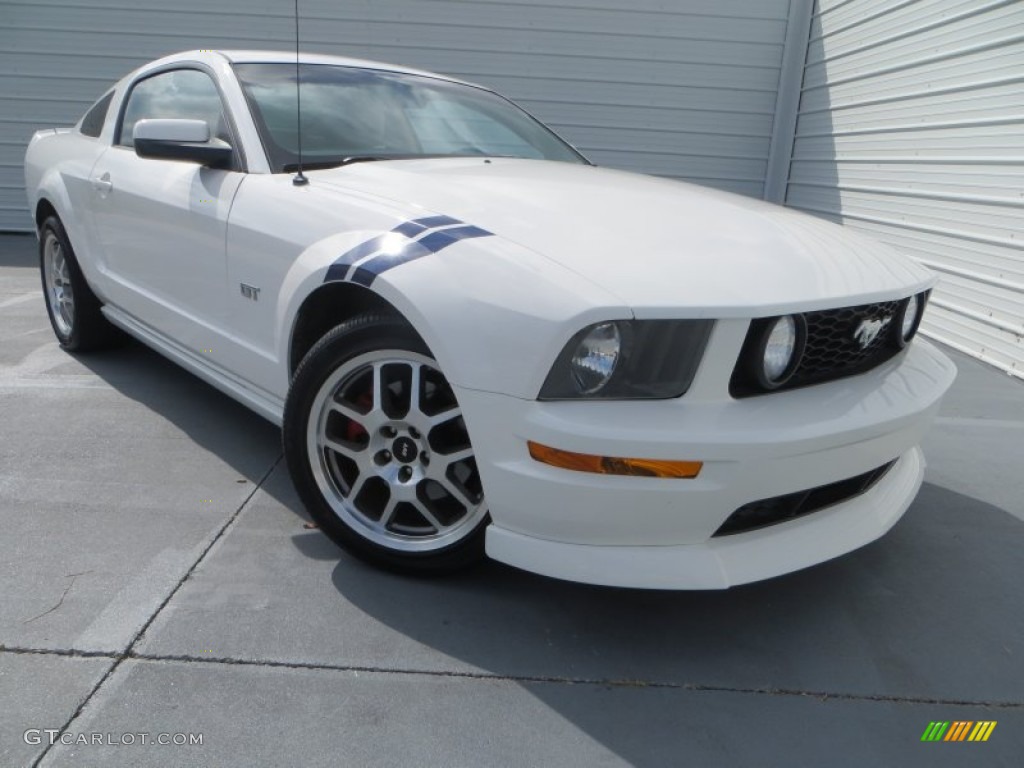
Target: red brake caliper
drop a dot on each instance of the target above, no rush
(354, 431)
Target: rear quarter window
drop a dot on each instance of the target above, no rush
(92, 123)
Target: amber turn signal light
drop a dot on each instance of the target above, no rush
(611, 465)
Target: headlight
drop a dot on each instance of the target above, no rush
(781, 348)
(594, 360)
(628, 360)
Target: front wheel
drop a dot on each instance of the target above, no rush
(379, 452)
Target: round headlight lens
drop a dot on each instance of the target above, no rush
(909, 318)
(779, 348)
(595, 358)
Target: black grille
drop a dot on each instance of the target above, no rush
(832, 349)
(831, 345)
(779, 509)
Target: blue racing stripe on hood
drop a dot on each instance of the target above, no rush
(441, 231)
(339, 269)
(416, 226)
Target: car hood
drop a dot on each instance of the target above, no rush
(658, 245)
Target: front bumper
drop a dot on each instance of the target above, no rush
(657, 533)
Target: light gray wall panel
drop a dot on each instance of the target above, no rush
(682, 88)
(911, 127)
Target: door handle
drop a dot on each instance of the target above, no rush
(102, 183)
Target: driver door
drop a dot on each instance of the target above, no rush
(162, 223)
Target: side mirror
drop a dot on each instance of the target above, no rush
(178, 139)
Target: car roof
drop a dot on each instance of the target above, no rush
(288, 57)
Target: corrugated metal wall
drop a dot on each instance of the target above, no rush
(911, 127)
(683, 88)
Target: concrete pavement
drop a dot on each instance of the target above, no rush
(156, 577)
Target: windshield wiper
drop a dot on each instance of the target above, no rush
(336, 162)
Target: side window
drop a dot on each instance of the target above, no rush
(92, 123)
(182, 93)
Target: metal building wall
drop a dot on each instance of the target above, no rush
(911, 127)
(682, 88)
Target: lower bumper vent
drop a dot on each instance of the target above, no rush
(779, 509)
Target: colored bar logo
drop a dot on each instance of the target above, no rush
(959, 730)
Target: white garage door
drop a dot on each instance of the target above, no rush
(682, 88)
(911, 127)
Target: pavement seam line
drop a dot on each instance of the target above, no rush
(488, 676)
(128, 652)
(72, 653)
(612, 682)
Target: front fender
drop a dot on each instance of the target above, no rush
(494, 314)
(304, 277)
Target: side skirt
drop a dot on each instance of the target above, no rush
(265, 404)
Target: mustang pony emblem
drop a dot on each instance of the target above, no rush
(868, 330)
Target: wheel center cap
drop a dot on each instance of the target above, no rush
(404, 449)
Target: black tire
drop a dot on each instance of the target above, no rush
(325, 377)
(80, 325)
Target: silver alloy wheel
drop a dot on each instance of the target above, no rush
(390, 453)
(60, 295)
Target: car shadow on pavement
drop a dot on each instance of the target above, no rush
(215, 422)
(929, 612)
(945, 578)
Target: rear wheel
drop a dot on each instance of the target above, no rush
(379, 452)
(73, 308)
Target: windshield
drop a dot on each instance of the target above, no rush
(351, 113)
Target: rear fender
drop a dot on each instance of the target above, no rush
(54, 161)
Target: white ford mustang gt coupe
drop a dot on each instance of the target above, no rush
(477, 341)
